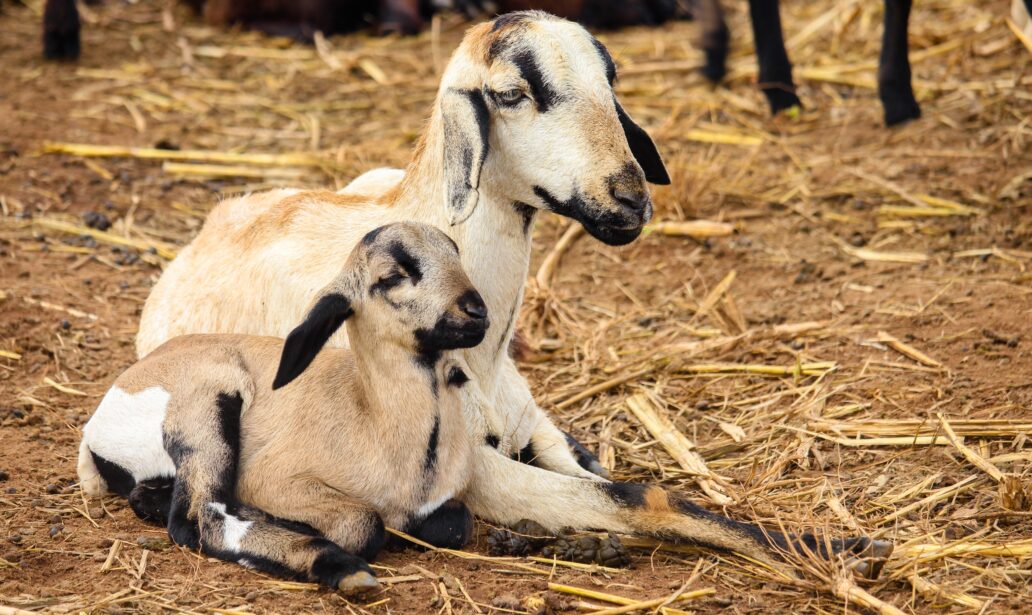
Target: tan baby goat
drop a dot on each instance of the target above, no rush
(295, 471)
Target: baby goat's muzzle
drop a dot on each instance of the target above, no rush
(462, 326)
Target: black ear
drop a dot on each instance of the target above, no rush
(466, 124)
(305, 341)
(644, 149)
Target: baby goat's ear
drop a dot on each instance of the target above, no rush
(466, 123)
(305, 341)
(644, 149)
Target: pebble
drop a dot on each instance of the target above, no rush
(53, 489)
(251, 596)
(4, 475)
(97, 220)
(506, 601)
(15, 538)
(153, 543)
(55, 529)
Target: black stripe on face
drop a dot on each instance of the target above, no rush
(408, 263)
(606, 59)
(526, 213)
(544, 94)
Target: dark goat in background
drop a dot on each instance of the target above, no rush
(61, 30)
(775, 75)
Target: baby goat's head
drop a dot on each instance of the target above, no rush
(405, 285)
(531, 96)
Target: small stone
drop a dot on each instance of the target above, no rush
(4, 476)
(55, 519)
(105, 543)
(53, 489)
(55, 529)
(66, 324)
(95, 512)
(15, 538)
(506, 601)
(251, 596)
(97, 220)
(153, 543)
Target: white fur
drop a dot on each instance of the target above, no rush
(375, 182)
(233, 528)
(126, 429)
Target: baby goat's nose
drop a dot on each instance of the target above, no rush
(634, 200)
(472, 305)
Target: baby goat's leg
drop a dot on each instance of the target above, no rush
(202, 436)
(894, 80)
(505, 492)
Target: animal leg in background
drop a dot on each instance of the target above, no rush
(775, 69)
(714, 37)
(894, 87)
(61, 30)
(400, 16)
(203, 443)
(505, 491)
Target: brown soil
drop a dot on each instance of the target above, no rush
(820, 186)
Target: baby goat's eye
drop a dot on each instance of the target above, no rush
(510, 97)
(392, 279)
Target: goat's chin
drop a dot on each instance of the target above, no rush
(448, 336)
(612, 236)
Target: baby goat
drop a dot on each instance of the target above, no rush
(295, 471)
(775, 78)
(206, 436)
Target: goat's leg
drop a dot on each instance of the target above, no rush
(61, 30)
(506, 492)
(713, 37)
(894, 86)
(202, 436)
(400, 17)
(775, 69)
(522, 421)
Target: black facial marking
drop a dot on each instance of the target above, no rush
(507, 331)
(431, 448)
(408, 263)
(606, 59)
(457, 377)
(509, 19)
(604, 224)
(643, 149)
(308, 338)
(544, 94)
(492, 440)
(526, 213)
(371, 236)
(117, 478)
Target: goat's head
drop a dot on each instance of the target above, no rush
(530, 96)
(407, 285)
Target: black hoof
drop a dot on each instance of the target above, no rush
(448, 527)
(61, 45)
(184, 533)
(780, 99)
(337, 568)
(901, 110)
(151, 499)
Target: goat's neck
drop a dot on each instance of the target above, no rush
(396, 388)
(494, 243)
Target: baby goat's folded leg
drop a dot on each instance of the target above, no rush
(202, 436)
(505, 491)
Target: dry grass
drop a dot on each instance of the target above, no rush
(840, 344)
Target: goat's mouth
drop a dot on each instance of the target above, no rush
(613, 225)
(452, 334)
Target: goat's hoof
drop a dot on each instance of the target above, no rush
(869, 558)
(901, 111)
(780, 99)
(357, 584)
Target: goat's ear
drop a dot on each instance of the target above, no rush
(466, 124)
(644, 149)
(305, 341)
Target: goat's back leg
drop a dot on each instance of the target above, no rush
(505, 491)
(894, 80)
(713, 37)
(775, 69)
(202, 436)
(61, 30)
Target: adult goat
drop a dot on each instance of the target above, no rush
(525, 119)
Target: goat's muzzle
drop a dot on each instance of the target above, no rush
(461, 327)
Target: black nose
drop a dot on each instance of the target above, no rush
(472, 305)
(635, 200)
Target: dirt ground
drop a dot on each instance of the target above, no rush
(875, 280)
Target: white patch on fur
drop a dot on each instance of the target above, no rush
(126, 429)
(431, 506)
(375, 182)
(233, 528)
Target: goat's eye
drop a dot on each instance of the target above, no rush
(510, 97)
(391, 280)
